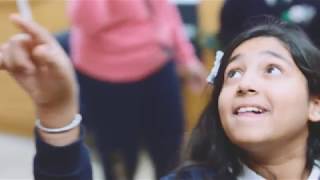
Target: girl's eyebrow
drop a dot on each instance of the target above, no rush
(234, 57)
(277, 55)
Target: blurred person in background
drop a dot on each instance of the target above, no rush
(234, 16)
(125, 54)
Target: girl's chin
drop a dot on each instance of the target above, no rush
(250, 139)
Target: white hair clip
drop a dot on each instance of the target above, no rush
(215, 68)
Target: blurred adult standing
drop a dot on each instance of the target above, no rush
(125, 54)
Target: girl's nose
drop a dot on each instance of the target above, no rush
(247, 86)
(242, 92)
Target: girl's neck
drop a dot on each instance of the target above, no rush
(283, 161)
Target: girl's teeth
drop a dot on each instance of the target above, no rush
(249, 109)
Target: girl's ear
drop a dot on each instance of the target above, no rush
(314, 109)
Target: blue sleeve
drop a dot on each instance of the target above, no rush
(70, 162)
(171, 176)
(190, 173)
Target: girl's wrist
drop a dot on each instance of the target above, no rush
(75, 122)
(60, 139)
(57, 116)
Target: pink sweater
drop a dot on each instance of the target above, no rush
(123, 40)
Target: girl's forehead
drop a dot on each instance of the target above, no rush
(261, 46)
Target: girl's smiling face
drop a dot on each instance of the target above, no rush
(264, 98)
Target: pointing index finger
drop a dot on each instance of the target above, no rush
(37, 32)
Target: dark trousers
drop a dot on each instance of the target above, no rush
(124, 116)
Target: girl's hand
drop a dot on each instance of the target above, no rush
(38, 64)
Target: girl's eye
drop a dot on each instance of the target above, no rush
(273, 70)
(234, 74)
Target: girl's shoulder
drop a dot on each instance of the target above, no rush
(191, 173)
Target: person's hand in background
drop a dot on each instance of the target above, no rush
(195, 76)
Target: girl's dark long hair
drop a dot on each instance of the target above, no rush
(209, 147)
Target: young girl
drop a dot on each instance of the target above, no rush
(263, 118)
